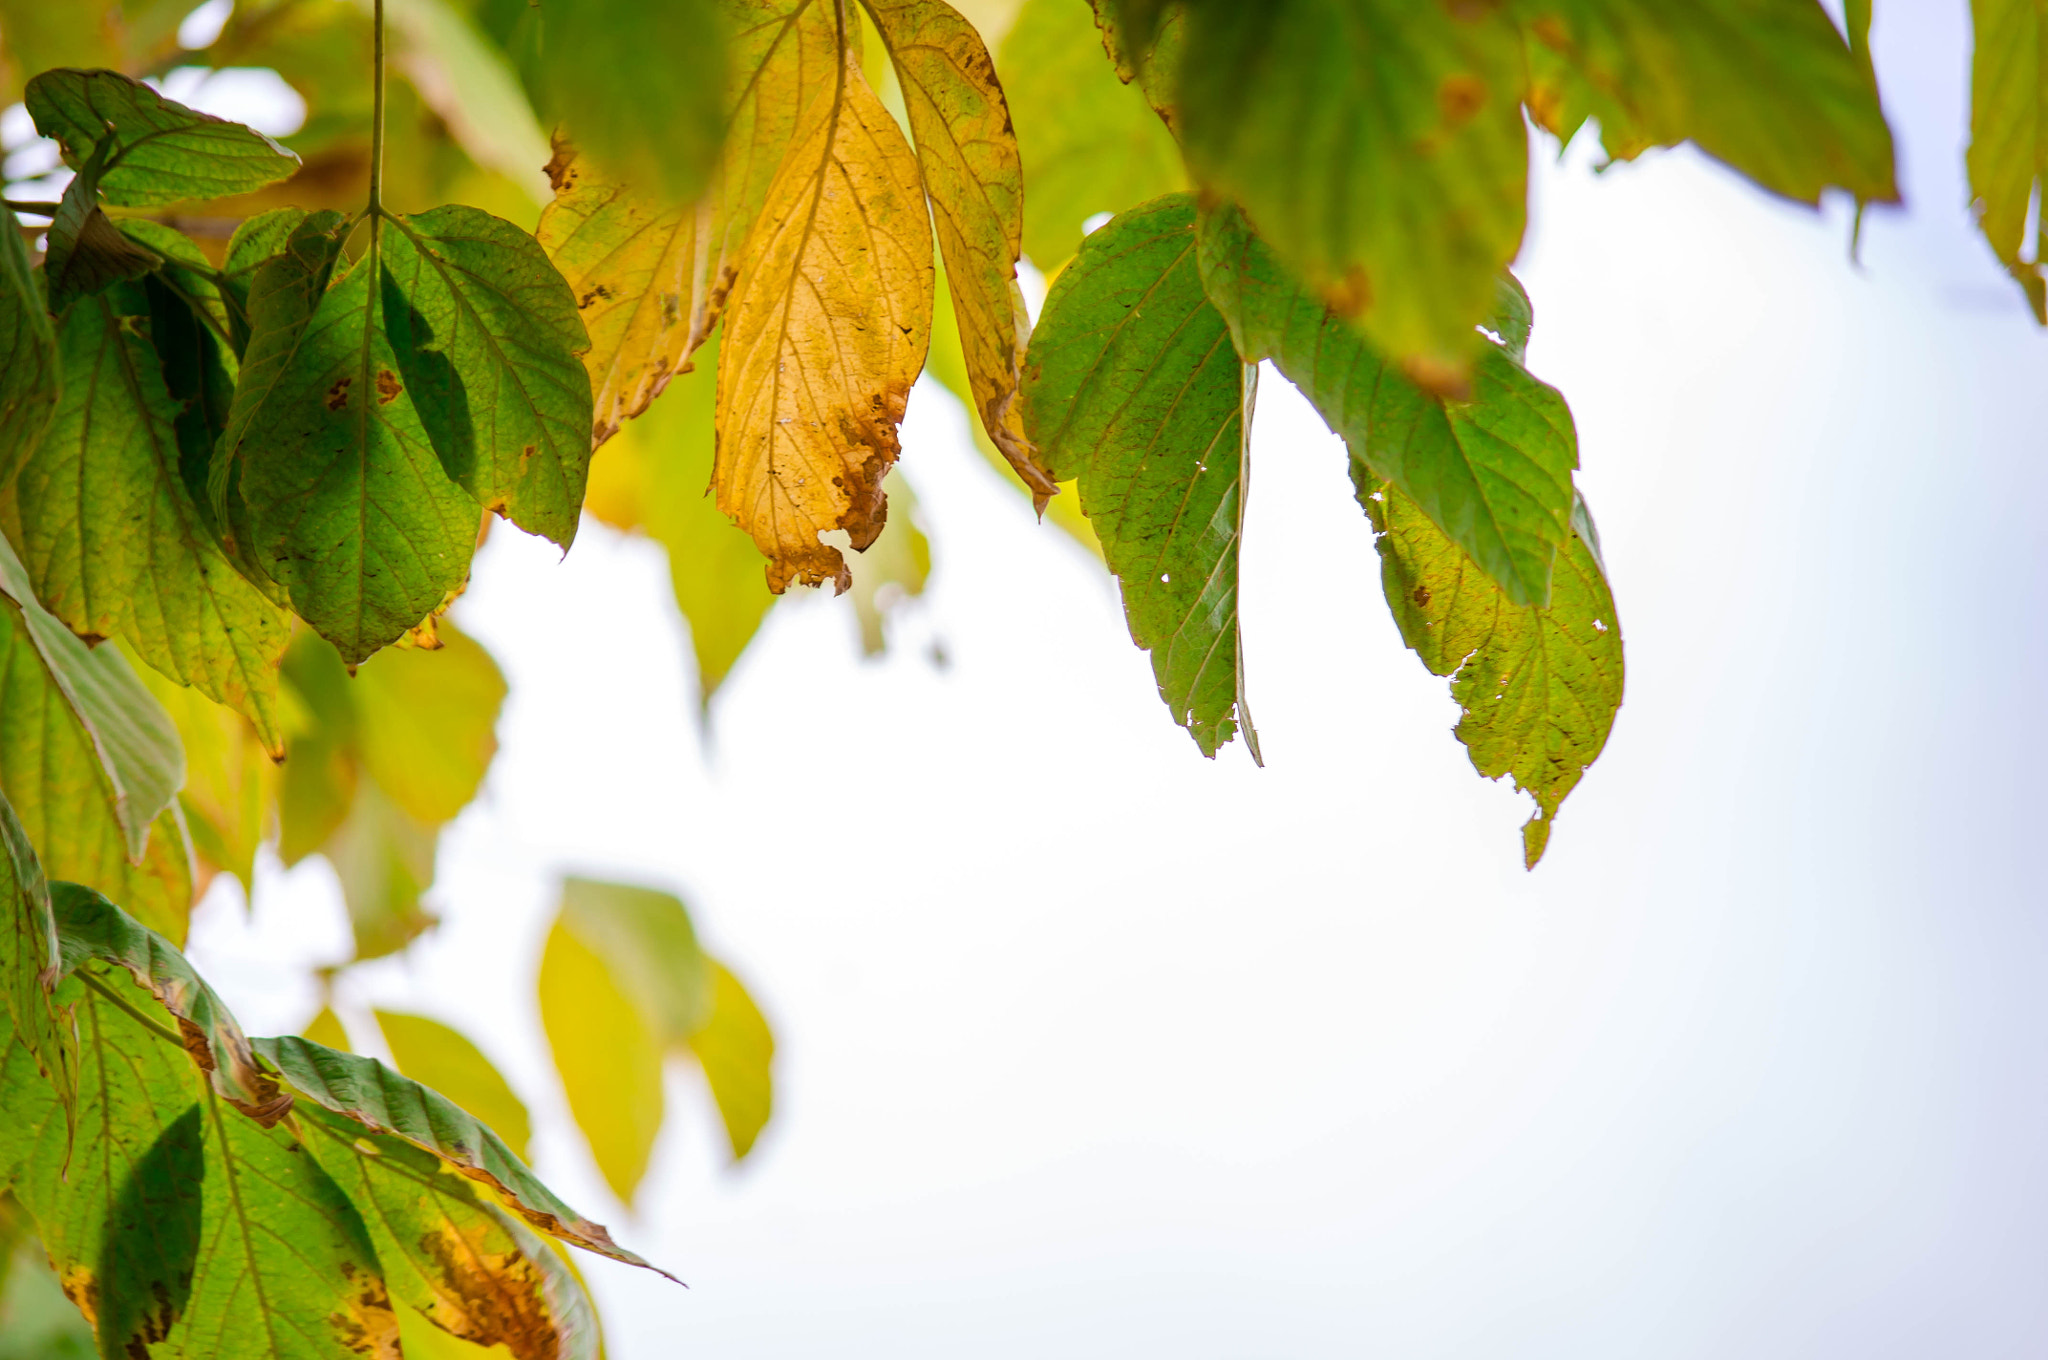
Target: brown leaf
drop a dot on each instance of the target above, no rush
(830, 321)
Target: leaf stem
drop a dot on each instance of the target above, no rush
(39, 209)
(161, 1030)
(377, 113)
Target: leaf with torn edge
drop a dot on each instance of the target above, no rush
(1132, 387)
(827, 331)
(1494, 472)
(967, 153)
(1539, 686)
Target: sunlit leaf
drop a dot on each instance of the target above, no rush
(230, 783)
(2008, 156)
(107, 526)
(317, 784)
(642, 86)
(1090, 144)
(1539, 686)
(827, 332)
(28, 353)
(385, 861)
(326, 1029)
(470, 83)
(426, 722)
(161, 151)
(608, 1056)
(437, 1056)
(1133, 387)
(737, 1052)
(1493, 472)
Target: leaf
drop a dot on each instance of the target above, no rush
(40, 35)
(967, 154)
(29, 378)
(1539, 686)
(92, 928)
(1089, 142)
(438, 1056)
(256, 242)
(827, 332)
(893, 571)
(2008, 153)
(385, 861)
(109, 531)
(380, 1100)
(737, 1053)
(86, 252)
(468, 81)
(350, 508)
(161, 152)
(642, 86)
(230, 782)
(1493, 472)
(1765, 86)
(29, 965)
(325, 1028)
(468, 1268)
(487, 339)
(1133, 388)
(645, 938)
(317, 786)
(1379, 146)
(426, 723)
(654, 477)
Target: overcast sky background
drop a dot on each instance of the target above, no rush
(1093, 1048)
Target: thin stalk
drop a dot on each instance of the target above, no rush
(39, 209)
(157, 1027)
(377, 115)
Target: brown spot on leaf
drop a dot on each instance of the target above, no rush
(1351, 295)
(388, 387)
(1422, 597)
(1460, 96)
(489, 1292)
(82, 1287)
(337, 395)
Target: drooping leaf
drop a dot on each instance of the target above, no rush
(1379, 145)
(1539, 686)
(380, 1100)
(1493, 472)
(737, 1052)
(1767, 86)
(28, 353)
(608, 1055)
(967, 152)
(92, 928)
(827, 332)
(86, 253)
(440, 1057)
(426, 722)
(2008, 156)
(1132, 387)
(107, 526)
(385, 861)
(161, 152)
(642, 86)
(654, 477)
(470, 1269)
(29, 964)
(1090, 145)
(487, 340)
(351, 509)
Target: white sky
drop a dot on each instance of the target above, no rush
(1093, 1048)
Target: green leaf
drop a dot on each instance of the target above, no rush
(1090, 144)
(1132, 387)
(471, 1270)
(230, 780)
(438, 1056)
(29, 964)
(737, 1052)
(651, 477)
(351, 510)
(317, 785)
(380, 1100)
(185, 270)
(113, 540)
(1379, 146)
(86, 252)
(642, 85)
(1539, 686)
(487, 339)
(1493, 472)
(1766, 86)
(161, 152)
(385, 861)
(2008, 154)
(28, 353)
(92, 928)
(426, 722)
(469, 82)
(256, 242)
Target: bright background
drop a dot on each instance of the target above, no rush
(1091, 1047)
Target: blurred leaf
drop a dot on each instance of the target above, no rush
(1493, 472)
(230, 783)
(385, 861)
(109, 531)
(642, 85)
(645, 938)
(828, 330)
(1379, 146)
(29, 377)
(737, 1054)
(1090, 143)
(2009, 137)
(325, 1029)
(437, 1056)
(967, 154)
(380, 1100)
(468, 81)
(28, 968)
(1132, 387)
(426, 722)
(1766, 86)
(317, 784)
(161, 152)
(37, 35)
(36, 1321)
(607, 1055)
(894, 570)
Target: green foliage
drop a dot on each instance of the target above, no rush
(434, 1055)
(2009, 136)
(157, 151)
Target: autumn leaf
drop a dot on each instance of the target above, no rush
(2009, 136)
(827, 332)
(641, 86)
(737, 1053)
(441, 1057)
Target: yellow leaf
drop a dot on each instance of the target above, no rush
(435, 1055)
(427, 722)
(737, 1051)
(828, 330)
(229, 781)
(608, 1056)
(325, 1028)
(968, 155)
